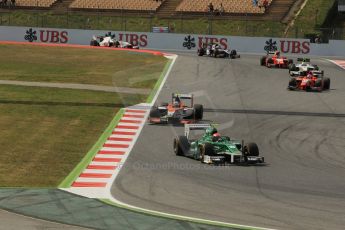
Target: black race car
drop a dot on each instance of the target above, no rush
(215, 50)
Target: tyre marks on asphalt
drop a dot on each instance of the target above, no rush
(340, 63)
(105, 164)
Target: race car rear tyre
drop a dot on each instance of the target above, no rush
(201, 52)
(198, 112)
(216, 53)
(206, 149)
(290, 61)
(94, 43)
(292, 67)
(262, 60)
(251, 149)
(326, 83)
(181, 145)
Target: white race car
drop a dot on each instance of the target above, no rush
(122, 44)
(108, 41)
(302, 68)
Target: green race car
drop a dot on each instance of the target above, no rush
(212, 148)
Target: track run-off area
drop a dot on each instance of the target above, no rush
(301, 135)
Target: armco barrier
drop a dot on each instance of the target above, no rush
(175, 42)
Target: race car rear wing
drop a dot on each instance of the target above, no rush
(303, 59)
(304, 73)
(271, 52)
(182, 96)
(189, 127)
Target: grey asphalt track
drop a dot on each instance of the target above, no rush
(301, 135)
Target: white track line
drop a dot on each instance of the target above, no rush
(340, 63)
(87, 179)
(104, 163)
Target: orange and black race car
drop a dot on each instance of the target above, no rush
(310, 82)
(177, 111)
(273, 59)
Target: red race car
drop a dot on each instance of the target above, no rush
(310, 82)
(273, 59)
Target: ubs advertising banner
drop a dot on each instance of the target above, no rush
(175, 42)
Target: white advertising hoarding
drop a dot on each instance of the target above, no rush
(175, 42)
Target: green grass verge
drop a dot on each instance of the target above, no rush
(311, 17)
(93, 151)
(47, 131)
(67, 182)
(75, 65)
(249, 28)
(43, 138)
(159, 82)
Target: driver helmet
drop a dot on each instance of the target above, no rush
(309, 74)
(215, 137)
(216, 134)
(177, 101)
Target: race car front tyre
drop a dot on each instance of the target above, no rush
(233, 54)
(198, 112)
(164, 104)
(262, 60)
(326, 83)
(181, 145)
(251, 149)
(206, 149)
(154, 113)
(270, 62)
(292, 83)
(216, 53)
